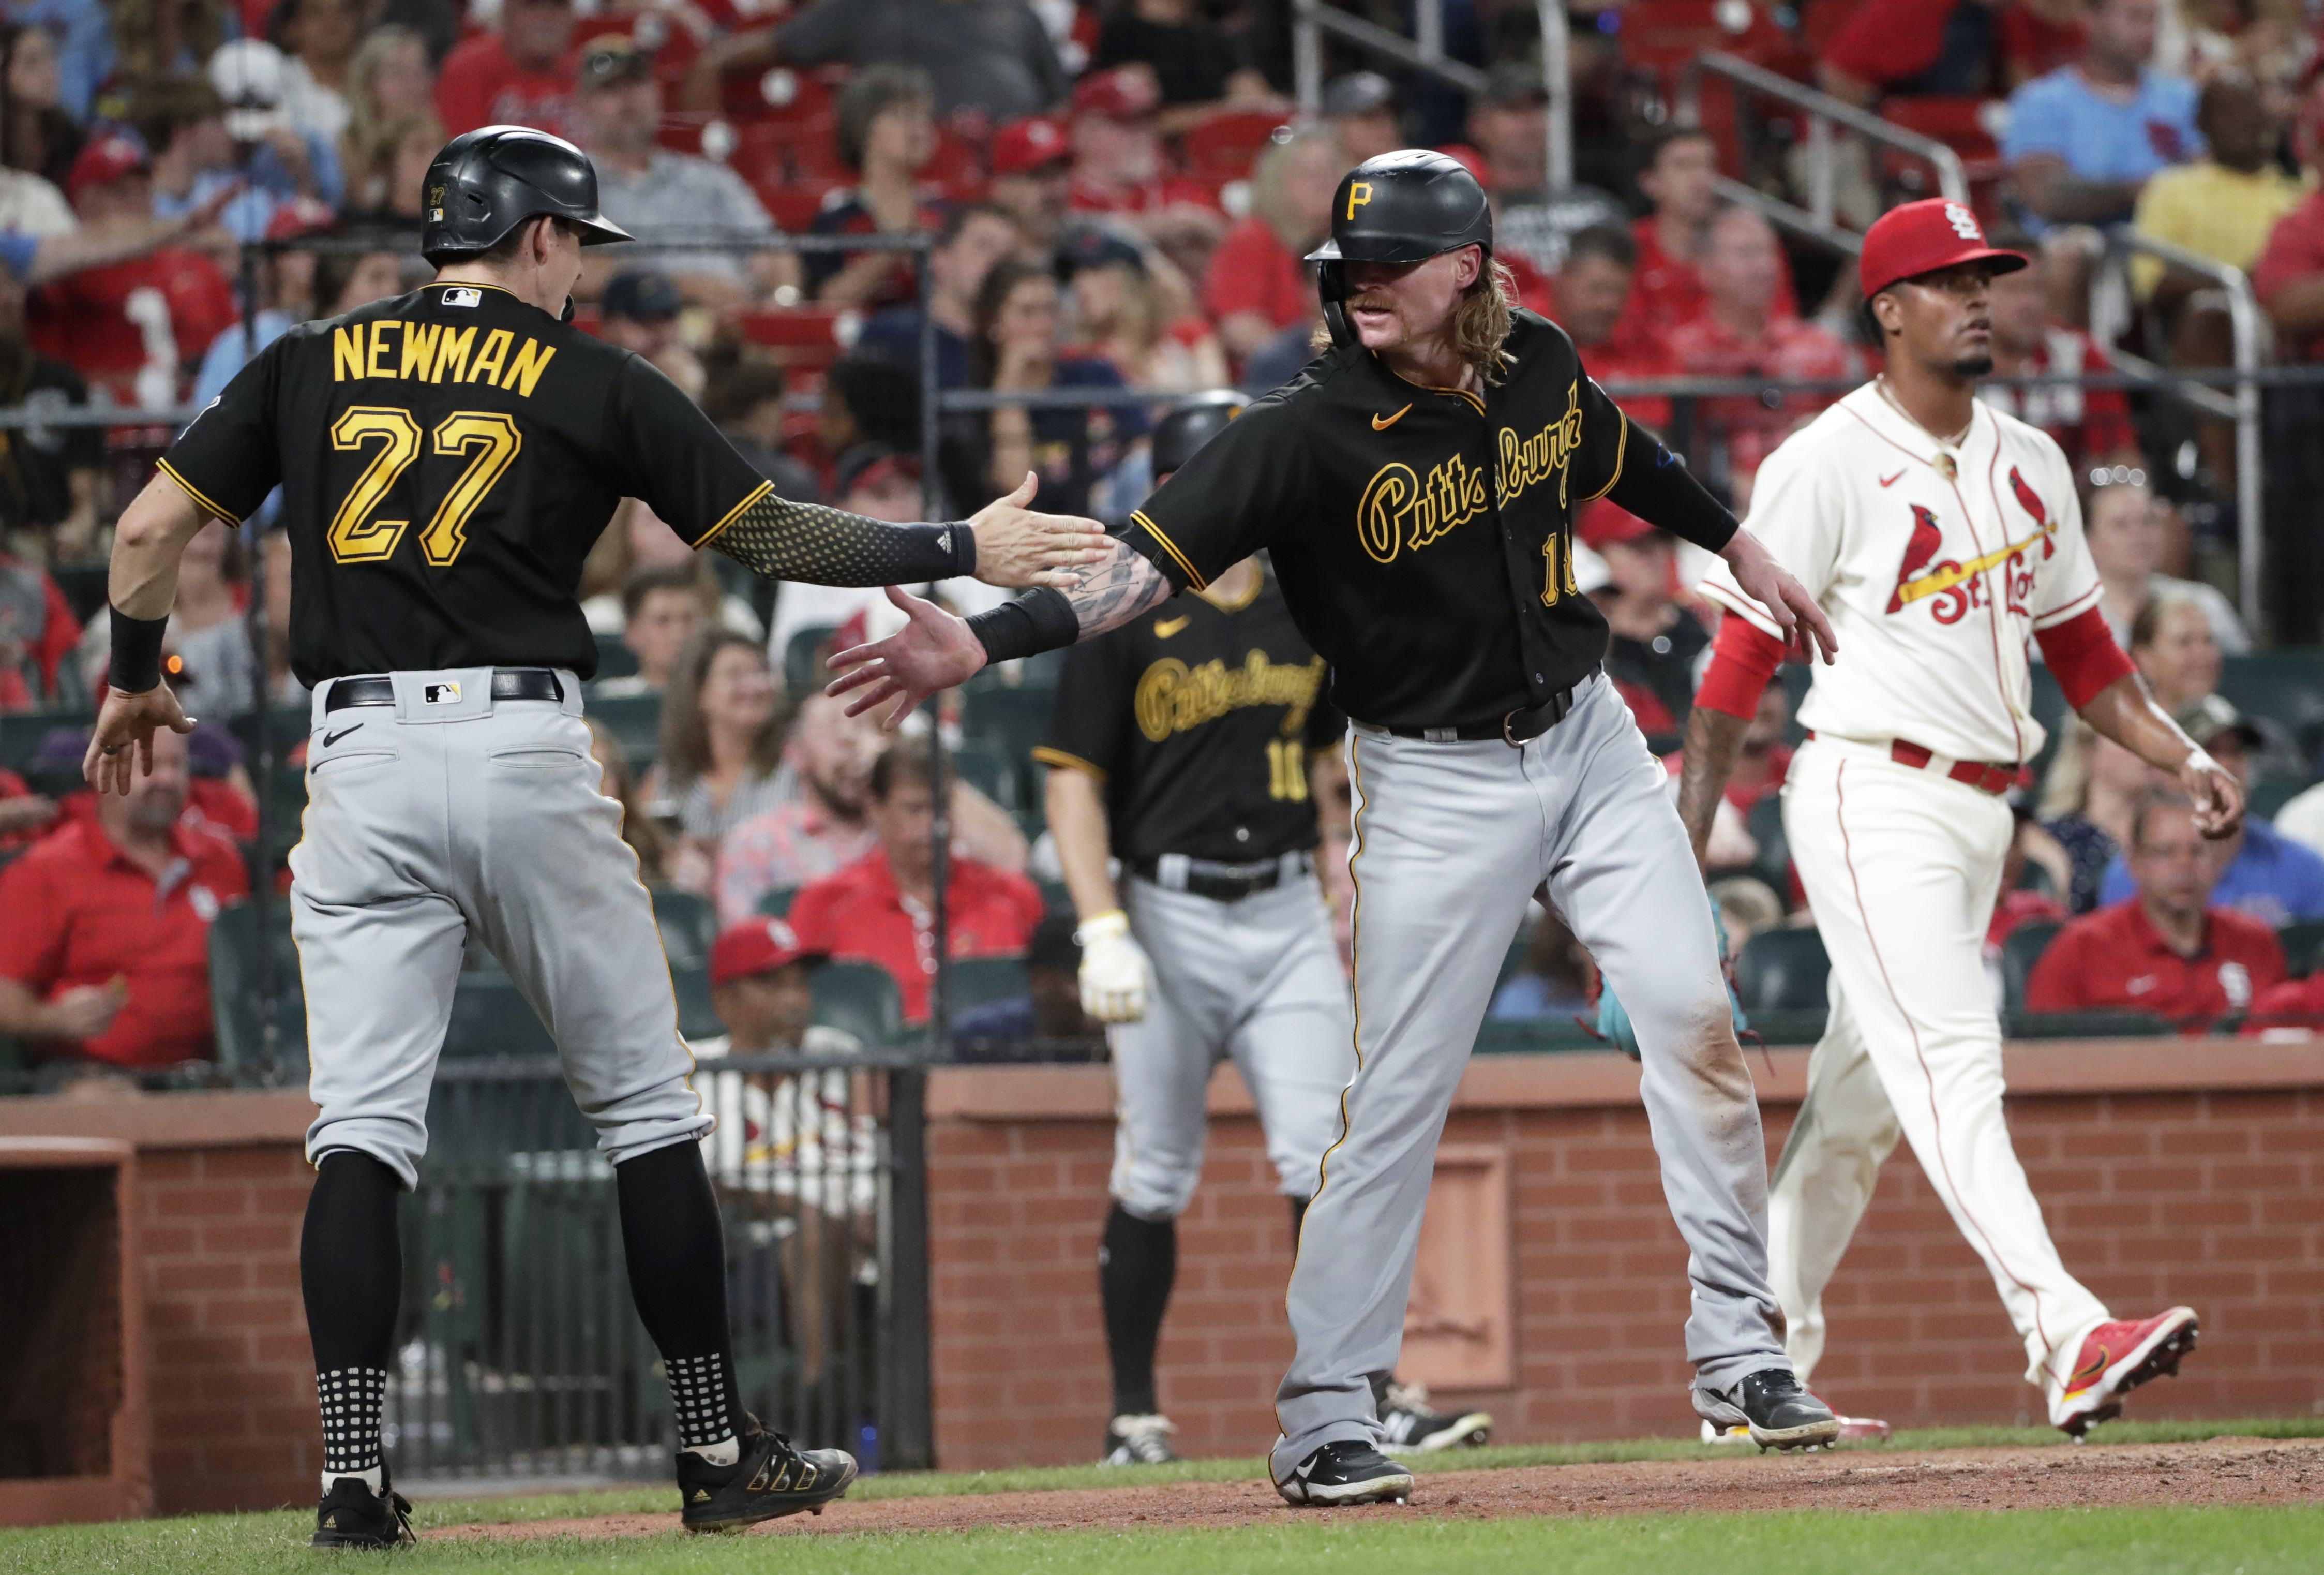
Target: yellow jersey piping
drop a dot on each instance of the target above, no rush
(733, 514)
(1621, 451)
(1193, 576)
(1059, 757)
(196, 493)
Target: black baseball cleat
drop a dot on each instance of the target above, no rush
(351, 1515)
(1346, 1471)
(771, 1480)
(1776, 1406)
(1410, 1427)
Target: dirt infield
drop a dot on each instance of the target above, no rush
(2222, 1471)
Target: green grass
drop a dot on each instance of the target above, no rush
(2138, 1542)
(2157, 1542)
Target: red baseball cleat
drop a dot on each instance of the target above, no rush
(2116, 1357)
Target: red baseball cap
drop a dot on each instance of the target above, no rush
(1606, 524)
(1120, 94)
(102, 160)
(1027, 144)
(300, 216)
(755, 946)
(1921, 238)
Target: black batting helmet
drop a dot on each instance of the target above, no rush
(1405, 207)
(486, 182)
(1194, 424)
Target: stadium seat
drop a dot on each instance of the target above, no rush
(2303, 946)
(859, 998)
(2272, 791)
(2020, 951)
(800, 656)
(614, 658)
(491, 1017)
(635, 723)
(21, 732)
(804, 338)
(286, 726)
(2085, 1025)
(1782, 971)
(1774, 864)
(1012, 718)
(235, 997)
(697, 1017)
(977, 981)
(2286, 685)
(1055, 898)
(1225, 146)
(777, 902)
(688, 925)
(983, 765)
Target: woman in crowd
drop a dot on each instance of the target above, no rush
(2087, 801)
(2124, 525)
(319, 38)
(153, 38)
(722, 744)
(207, 628)
(1015, 347)
(640, 829)
(390, 95)
(37, 133)
(887, 135)
(2171, 642)
(1257, 284)
(1122, 313)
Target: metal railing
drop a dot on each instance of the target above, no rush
(1424, 53)
(1823, 111)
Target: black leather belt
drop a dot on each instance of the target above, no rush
(1221, 883)
(509, 684)
(1513, 728)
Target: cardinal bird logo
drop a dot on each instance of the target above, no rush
(1927, 539)
(2031, 501)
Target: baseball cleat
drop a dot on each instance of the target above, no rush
(1346, 1471)
(1408, 1427)
(771, 1480)
(1776, 1409)
(351, 1515)
(2116, 1357)
(1139, 1440)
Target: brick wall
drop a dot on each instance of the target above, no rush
(222, 1186)
(2170, 1172)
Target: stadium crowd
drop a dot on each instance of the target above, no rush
(1118, 197)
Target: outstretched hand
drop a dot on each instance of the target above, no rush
(2218, 797)
(125, 725)
(1017, 548)
(1801, 622)
(933, 652)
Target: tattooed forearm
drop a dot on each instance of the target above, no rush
(1116, 589)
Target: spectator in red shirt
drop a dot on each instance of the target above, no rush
(37, 627)
(881, 908)
(522, 75)
(2167, 952)
(1120, 168)
(2092, 427)
(1912, 47)
(1258, 285)
(2289, 277)
(1033, 182)
(24, 814)
(85, 318)
(104, 928)
(1744, 331)
(1589, 299)
(1681, 168)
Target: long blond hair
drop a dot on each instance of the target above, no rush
(1481, 323)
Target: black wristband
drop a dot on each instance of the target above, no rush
(136, 662)
(1041, 619)
(960, 537)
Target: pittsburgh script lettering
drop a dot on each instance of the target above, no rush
(1527, 461)
(1397, 512)
(1173, 698)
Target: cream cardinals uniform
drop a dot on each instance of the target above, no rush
(1937, 565)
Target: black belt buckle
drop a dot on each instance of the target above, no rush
(509, 684)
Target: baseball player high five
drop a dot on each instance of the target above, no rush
(1938, 533)
(1180, 743)
(447, 459)
(1416, 485)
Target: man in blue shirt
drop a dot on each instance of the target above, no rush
(2269, 876)
(2084, 139)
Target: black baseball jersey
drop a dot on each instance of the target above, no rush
(447, 459)
(1199, 720)
(1424, 536)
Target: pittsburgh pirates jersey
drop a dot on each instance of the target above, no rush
(1198, 720)
(1424, 536)
(1933, 567)
(447, 459)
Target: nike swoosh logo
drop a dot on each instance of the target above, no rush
(1890, 480)
(2088, 1375)
(1381, 423)
(331, 738)
(1167, 628)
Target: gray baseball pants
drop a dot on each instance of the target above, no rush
(1257, 980)
(438, 817)
(1451, 840)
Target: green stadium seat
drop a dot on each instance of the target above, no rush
(688, 925)
(2085, 1025)
(1774, 863)
(978, 981)
(491, 1017)
(1782, 971)
(1012, 720)
(2303, 946)
(2050, 710)
(697, 1017)
(1055, 898)
(635, 723)
(859, 998)
(2285, 685)
(21, 732)
(777, 902)
(2272, 791)
(236, 1005)
(983, 765)
(614, 658)
(799, 654)
(286, 729)
(2020, 951)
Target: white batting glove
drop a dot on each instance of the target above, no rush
(1116, 978)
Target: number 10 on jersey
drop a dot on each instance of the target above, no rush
(1287, 770)
(491, 439)
(1557, 570)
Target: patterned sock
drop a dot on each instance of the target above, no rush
(697, 1398)
(351, 1399)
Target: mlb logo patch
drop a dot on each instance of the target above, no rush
(441, 694)
(463, 296)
